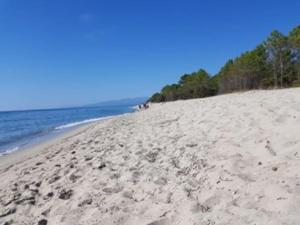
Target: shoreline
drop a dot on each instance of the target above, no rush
(56, 132)
(23, 129)
(35, 148)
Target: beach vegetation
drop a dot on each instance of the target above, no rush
(275, 63)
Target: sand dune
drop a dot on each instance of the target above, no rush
(225, 160)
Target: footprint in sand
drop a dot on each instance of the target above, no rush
(270, 149)
(74, 177)
(113, 190)
(66, 194)
(54, 179)
(161, 181)
(161, 222)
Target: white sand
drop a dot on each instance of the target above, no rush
(226, 160)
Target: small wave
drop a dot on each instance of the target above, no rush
(69, 125)
(8, 151)
(136, 107)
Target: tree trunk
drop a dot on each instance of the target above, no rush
(275, 75)
(281, 71)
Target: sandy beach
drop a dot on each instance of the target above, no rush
(226, 160)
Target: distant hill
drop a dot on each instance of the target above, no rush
(120, 102)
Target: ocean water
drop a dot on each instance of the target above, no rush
(19, 129)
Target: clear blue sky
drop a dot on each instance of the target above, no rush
(57, 53)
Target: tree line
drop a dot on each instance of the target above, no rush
(275, 63)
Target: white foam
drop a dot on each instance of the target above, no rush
(69, 125)
(136, 107)
(9, 151)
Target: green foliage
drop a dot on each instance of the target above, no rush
(248, 71)
(296, 83)
(157, 97)
(195, 85)
(294, 38)
(169, 92)
(279, 55)
(275, 62)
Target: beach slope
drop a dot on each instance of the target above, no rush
(232, 159)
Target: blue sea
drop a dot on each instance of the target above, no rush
(19, 129)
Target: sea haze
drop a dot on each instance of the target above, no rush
(21, 128)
